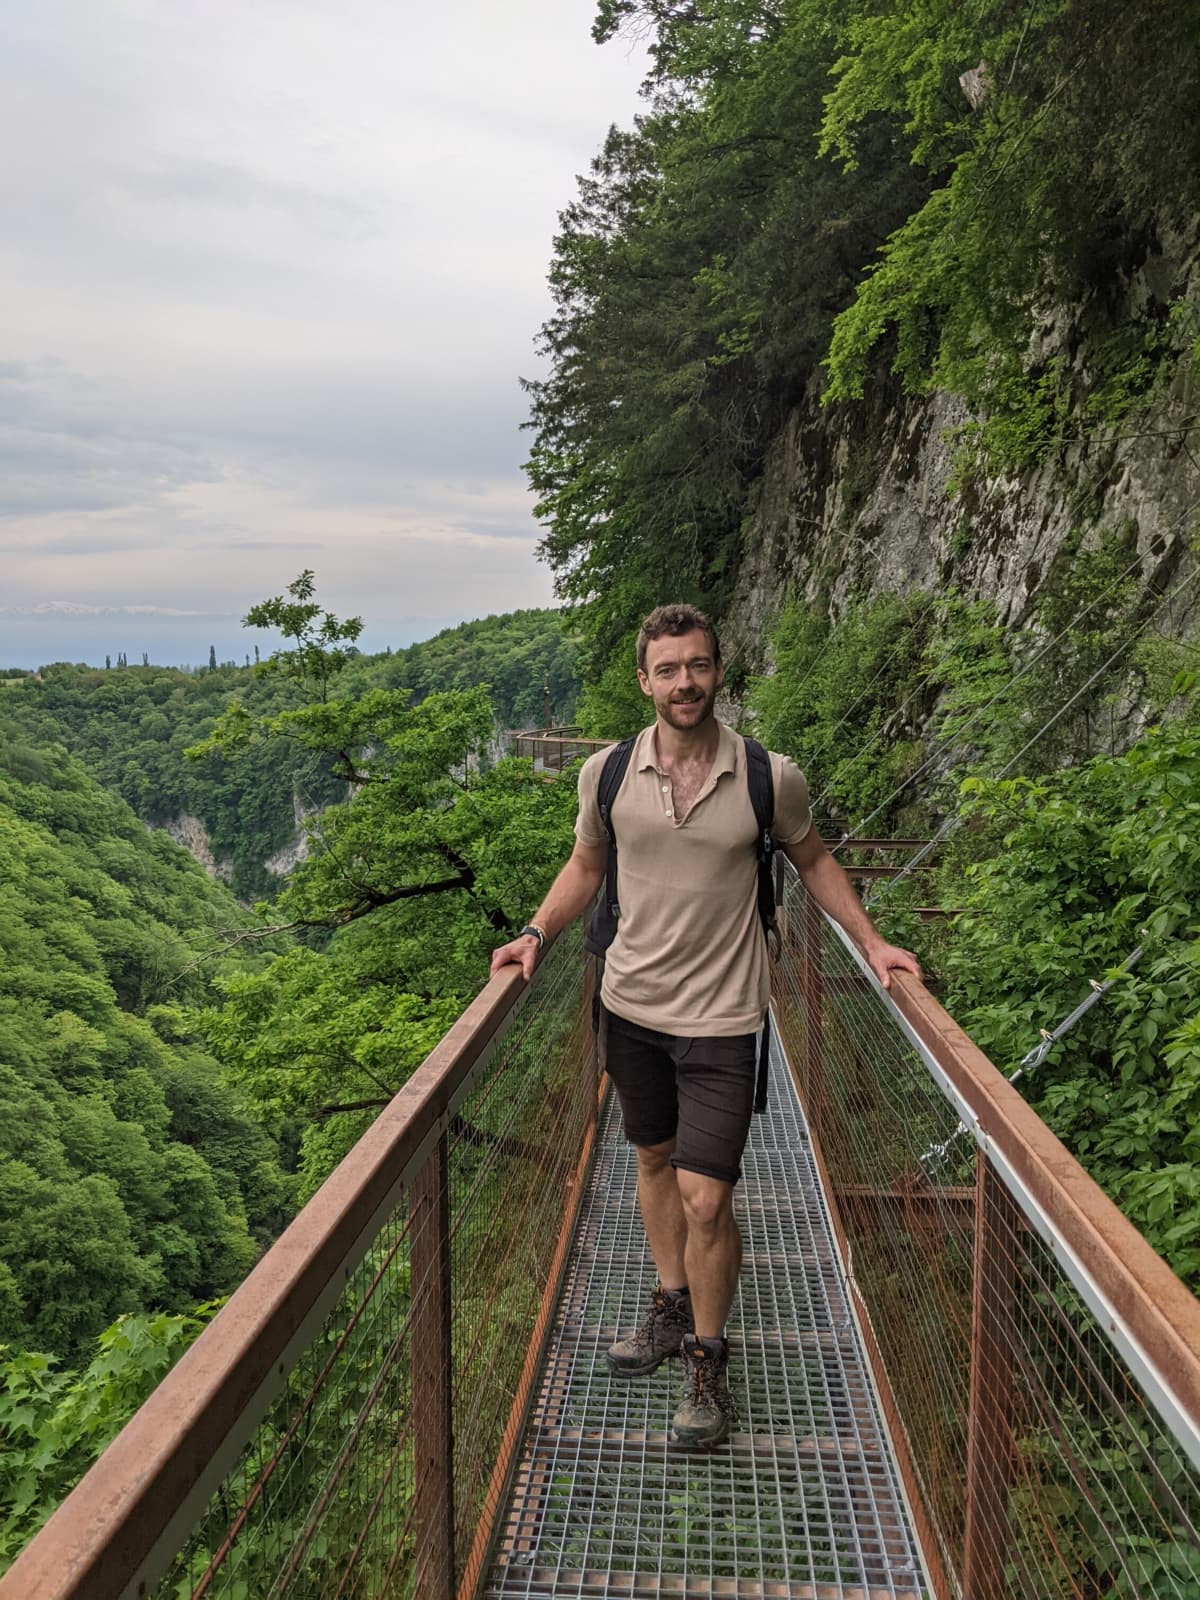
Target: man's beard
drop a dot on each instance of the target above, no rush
(696, 712)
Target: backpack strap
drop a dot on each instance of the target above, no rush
(761, 784)
(603, 925)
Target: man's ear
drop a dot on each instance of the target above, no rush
(644, 682)
(720, 673)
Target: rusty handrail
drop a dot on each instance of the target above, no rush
(1038, 1362)
(173, 1452)
(1159, 1314)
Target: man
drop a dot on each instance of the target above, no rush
(686, 986)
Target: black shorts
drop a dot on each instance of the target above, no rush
(698, 1091)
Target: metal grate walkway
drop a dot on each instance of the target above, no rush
(803, 1503)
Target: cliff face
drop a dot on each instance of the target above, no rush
(860, 500)
(190, 832)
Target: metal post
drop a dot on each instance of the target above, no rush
(591, 1035)
(989, 1417)
(812, 983)
(433, 1437)
(780, 873)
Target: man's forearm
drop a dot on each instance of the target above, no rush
(570, 893)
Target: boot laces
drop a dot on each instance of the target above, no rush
(703, 1386)
(669, 1311)
(658, 1308)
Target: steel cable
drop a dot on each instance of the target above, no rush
(981, 710)
(955, 818)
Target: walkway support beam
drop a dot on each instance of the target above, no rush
(989, 1418)
(433, 1423)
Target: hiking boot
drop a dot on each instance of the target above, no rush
(667, 1323)
(705, 1413)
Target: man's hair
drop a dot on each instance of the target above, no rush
(670, 622)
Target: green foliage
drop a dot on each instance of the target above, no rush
(107, 1205)
(694, 279)
(1062, 870)
(54, 1424)
(514, 656)
(325, 1040)
(613, 705)
(1061, 877)
(132, 1175)
(408, 886)
(844, 699)
(811, 196)
(1052, 190)
(320, 645)
(1036, 698)
(130, 727)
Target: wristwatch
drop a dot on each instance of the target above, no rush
(538, 933)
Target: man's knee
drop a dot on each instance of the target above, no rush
(706, 1201)
(655, 1159)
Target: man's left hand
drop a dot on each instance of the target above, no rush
(884, 959)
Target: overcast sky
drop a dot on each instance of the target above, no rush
(269, 272)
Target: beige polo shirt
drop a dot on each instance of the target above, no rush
(689, 956)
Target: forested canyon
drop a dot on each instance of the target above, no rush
(879, 337)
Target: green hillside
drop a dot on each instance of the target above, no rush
(131, 1175)
(131, 725)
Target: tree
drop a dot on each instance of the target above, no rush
(54, 1423)
(1061, 877)
(1054, 188)
(437, 854)
(695, 278)
(109, 1205)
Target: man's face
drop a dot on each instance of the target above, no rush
(682, 678)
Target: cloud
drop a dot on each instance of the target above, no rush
(81, 608)
(267, 544)
(61, 450)
(273, 272)
(194, 186)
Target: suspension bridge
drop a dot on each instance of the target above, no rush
(960, 1373)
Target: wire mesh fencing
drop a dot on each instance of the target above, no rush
(803, 1500)
(384, 1451)
(1036, 1455)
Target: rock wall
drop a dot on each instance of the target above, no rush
(283, 861)
(190, 832)
(858, 500)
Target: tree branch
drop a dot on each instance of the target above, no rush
(351, 1105)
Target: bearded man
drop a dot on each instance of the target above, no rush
(686, 986)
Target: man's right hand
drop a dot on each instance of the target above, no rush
(571, 892)
(522, 952)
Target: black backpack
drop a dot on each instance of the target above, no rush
(602, 926)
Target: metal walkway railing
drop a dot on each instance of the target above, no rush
(805, 1500)
(553, 749)
(351, 1423)
(1039, 1364)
